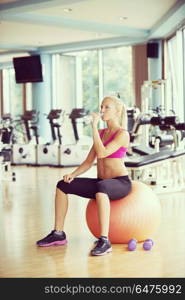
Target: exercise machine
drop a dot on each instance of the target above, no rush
(57, 153)
(48, 154)
(161, 163)
(6, 131)
(26, 152)
(74, 154)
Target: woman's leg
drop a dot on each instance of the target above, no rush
(108, 189)
(103, 245)
(57, 236)
(83, 187)
(103, 204)
(115, 188)
(61, 207)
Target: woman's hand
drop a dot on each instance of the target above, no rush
(95, 118)
(68, 178)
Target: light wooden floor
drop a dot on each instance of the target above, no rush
(26, 215)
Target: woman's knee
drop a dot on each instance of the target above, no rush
(61, 185)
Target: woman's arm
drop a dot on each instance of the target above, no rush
(122, 138)
(98, 145)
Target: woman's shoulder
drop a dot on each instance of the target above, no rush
(122, 131)
(123, 134)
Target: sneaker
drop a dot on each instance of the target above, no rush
(52, 238)
(103, 246)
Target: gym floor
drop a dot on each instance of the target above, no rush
(27, 214)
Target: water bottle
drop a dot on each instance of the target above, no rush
(88, 119)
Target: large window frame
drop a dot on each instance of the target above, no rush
(96, 56)
(175, 72)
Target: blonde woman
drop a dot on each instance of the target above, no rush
(109, 147)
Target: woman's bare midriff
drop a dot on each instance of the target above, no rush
(110, 168)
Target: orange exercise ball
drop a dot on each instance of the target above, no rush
(135, 216)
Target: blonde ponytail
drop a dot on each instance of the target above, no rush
(122, 111)
(124, 117)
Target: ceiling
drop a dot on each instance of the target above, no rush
(49, 25)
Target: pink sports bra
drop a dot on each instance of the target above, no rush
(120, 153)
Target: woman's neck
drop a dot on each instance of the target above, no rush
(112, 125)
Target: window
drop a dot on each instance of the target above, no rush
(175, 73)
(98, 73)
(64, 87)
(117, 73)
(12, 94)
(90, 80)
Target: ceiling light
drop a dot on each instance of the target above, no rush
(98, 34)
(123, 18)
(67, 9)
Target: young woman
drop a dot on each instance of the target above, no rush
(112, 182)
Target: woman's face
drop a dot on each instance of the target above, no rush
(108, 110)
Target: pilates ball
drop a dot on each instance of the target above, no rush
(132, 245)
(147, 245)
(137, 215)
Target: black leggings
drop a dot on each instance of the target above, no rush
(115, 188)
